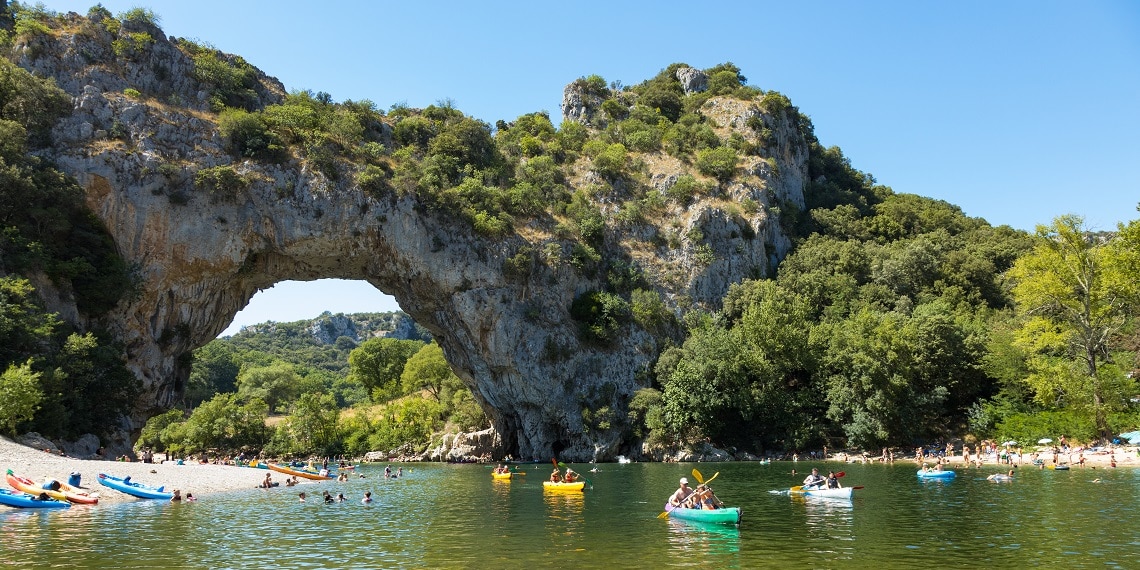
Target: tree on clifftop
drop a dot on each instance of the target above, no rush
(1077, 290)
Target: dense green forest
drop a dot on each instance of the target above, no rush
(894, 320)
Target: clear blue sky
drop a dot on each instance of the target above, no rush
(1016, 111)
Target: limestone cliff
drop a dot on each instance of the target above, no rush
(142, 128)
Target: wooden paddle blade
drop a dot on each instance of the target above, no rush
(841, 474)
(697, 475)
(859, 487)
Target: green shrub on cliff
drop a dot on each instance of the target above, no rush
(232, 80)
(221, 182)
(600, 316)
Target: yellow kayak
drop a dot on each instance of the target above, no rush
(552, 486)
(506, 476)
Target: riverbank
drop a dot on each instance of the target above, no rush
(201, 480)
(1099, 458)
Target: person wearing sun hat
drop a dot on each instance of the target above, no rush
(681, 494)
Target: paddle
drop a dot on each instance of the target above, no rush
(691, 493)
(698, 477)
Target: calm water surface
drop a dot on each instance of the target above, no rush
(444, 516)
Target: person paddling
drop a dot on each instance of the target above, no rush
(815, 480)
(682, 494)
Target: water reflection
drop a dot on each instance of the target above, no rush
(703, 536)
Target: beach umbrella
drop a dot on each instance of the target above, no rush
(1044, 440)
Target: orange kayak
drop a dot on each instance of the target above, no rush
(65, 492)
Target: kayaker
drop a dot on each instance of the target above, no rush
(570, 476)
(833, 481)
(706, 499)
(683, 493)
(556, 476)
(815, 480)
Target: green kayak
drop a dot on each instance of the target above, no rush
(728, 515)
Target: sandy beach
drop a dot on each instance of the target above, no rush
(201, 480)
(1101, 458)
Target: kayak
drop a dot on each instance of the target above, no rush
(125, 485)
(936, 474)
(299, 473)
(727, 515)
(503, 476)
(552, 486)
(64, 493)
(841, 493)
(26, 501)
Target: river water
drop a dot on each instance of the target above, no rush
(455, 516)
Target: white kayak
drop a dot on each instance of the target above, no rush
(841, 493)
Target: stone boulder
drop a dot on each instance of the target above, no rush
(37, 441)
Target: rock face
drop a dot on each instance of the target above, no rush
(509, 337)
(692, 80)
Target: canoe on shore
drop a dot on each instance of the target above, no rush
(64, 493)
(299, 473)
(727, 515)
(125, 485)
(22, 500)
(552, 486)
(841, 493)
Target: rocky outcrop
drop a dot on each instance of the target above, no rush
(692, 80)
(199, 257)
(467, 447)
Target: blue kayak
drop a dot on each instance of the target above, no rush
(125, 485)
(923, 474)
(26, 501)
(726, 515)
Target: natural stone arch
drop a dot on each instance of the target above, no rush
(509, 338)
(199, 256)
